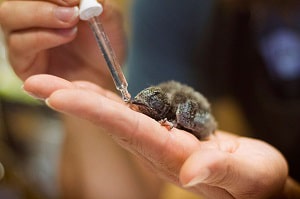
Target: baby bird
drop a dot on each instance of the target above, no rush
(176, 105)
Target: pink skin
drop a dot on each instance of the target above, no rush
(48, 37)
(226, 166)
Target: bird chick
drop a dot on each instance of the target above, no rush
(176, 105)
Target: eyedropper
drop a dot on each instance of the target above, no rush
(89, 11)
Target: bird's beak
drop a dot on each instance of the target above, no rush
(136, 105)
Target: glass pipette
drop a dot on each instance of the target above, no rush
(90, 10)
(110, 58)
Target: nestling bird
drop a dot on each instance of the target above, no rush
(176, 105)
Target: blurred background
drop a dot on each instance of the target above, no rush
(252, 49)
(30, 138)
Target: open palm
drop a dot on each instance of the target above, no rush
(225, 166)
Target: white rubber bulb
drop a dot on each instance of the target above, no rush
(89, 9)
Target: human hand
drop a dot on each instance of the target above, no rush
(47, 37)
(226, 166)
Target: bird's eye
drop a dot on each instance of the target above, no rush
(158, 105)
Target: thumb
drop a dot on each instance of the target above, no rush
(210, 173)
(254, 170)
(220, 174)
(208, 166)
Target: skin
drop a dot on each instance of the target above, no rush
(40, 42)
(226, 166)
(218, 168)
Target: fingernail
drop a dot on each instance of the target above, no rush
(48, 104)
(67, 31)
(66, 14)
(198, 179)
(32, 94)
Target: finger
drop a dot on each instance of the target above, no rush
(93, 87)
(39, 87)
(35, 40)
(213, 163)
(115, 117)
(61, 2)
(65, 2)
(118, 117)
(228, 171)
(164, 150)
(71, 2)
(30, 14)
(209, 166)
(24, 46)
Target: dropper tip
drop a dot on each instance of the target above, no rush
(126, 97)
